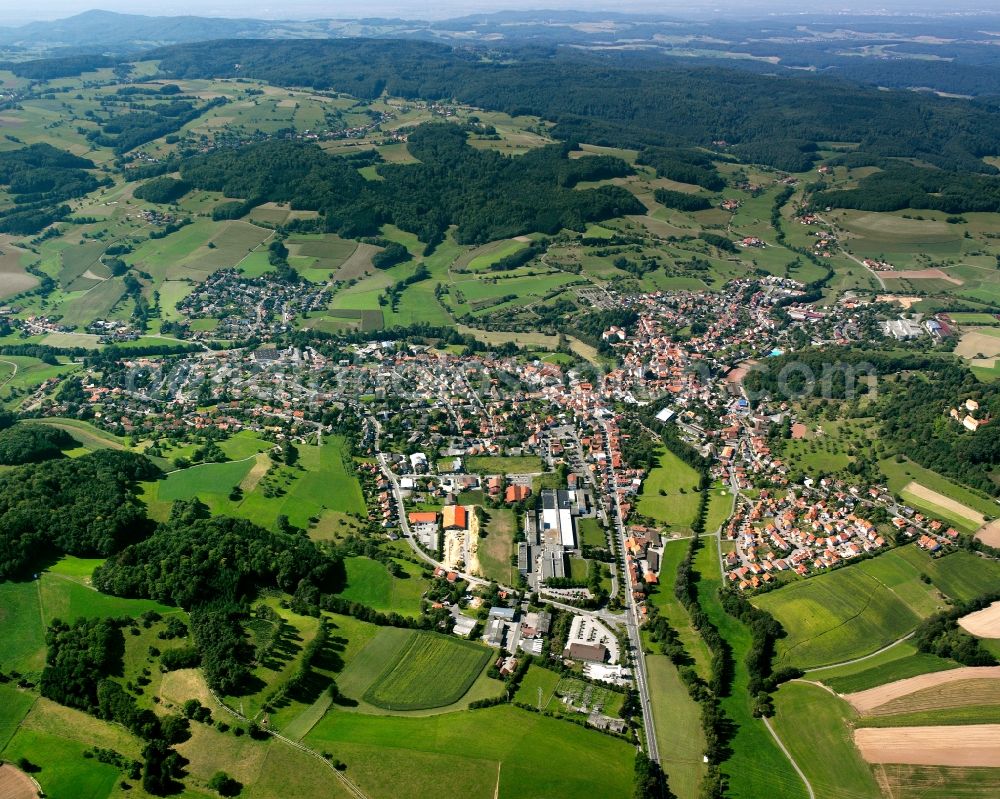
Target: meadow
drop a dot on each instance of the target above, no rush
(61, 591)
(523, 756)
(369, 582)
(757, 766)
(319, 483)
(670, 493)
(677, 719)
(853, 611)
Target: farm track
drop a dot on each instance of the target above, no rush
(349, 786)
(885, 648)
(781, 746)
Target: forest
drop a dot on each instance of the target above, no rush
(901, 186)
(40, 178)
(487, 195)
(83, 506)
(769, 119)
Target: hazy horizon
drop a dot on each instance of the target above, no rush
(410, 9)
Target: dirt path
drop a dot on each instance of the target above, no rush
(781, 745)
(947, 503)
(866, 701)
(973, 745)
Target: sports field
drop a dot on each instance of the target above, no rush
(430, 670)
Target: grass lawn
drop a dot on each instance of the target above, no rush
(815, 726)
(677, 718)
(669, 493)
(591, 533)
(431, 670)
(369, 582)
(757, 767)
(530, 755)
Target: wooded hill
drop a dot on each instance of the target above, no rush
(774, 120)
(487, 195)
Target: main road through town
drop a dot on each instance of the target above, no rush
(632, 625)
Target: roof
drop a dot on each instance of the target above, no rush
(454, 516)
(423, 517)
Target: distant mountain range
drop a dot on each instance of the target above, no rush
(955, 54)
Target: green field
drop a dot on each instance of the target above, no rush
(677, 718)
(853, 611)
(431, 671)
(502, 751)
(901, 661)
(670, 493)
(815, 726)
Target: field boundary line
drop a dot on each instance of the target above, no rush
(781, 745)
(351, 788)
(885, 648)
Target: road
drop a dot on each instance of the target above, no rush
(632, 625)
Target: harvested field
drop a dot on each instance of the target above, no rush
(358, 263)
(924, 274)
(976, 693)
(989, 533)
(13, 278)
(985, 623)
(15, 784)
(967, 745)
(941, 501)
(978, 342)
(865, 702)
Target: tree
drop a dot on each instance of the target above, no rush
(225, 785)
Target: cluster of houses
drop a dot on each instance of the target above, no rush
(794, 532)
(969, 416)
(259, 307)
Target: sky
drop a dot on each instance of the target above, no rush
(13, 13)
